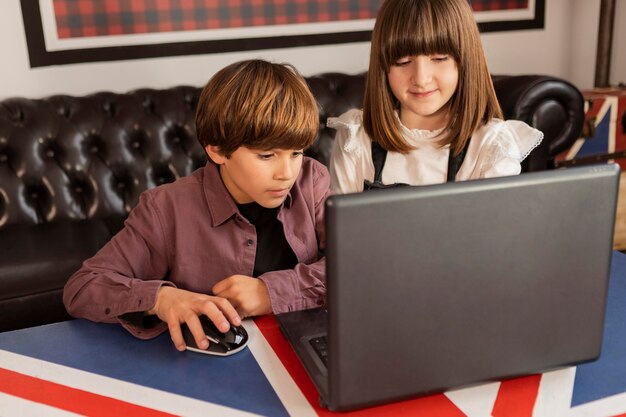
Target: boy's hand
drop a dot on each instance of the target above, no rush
(175, 306)
(248, 295)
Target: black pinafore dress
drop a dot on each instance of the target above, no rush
(379, 157)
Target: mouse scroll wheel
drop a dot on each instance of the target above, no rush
(238, 339)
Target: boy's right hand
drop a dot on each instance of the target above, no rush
(175, 306)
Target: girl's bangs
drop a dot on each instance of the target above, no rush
(419, 38)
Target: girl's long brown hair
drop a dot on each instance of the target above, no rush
(426, 27)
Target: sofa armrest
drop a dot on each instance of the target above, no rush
(549, 104)
(36, 261)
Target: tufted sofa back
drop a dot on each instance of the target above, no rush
(70, 158)
(74, 158)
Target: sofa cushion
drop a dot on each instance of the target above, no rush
(40, 258)
(32, 310)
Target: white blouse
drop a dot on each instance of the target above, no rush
(496, 149)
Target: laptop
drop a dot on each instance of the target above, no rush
(444, 286)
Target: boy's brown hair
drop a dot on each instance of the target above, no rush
(428, 27)
(259, 105)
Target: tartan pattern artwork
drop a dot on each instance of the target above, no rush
(79, 18)
(493, 5)
(88, 18)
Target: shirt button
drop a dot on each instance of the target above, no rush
(250, 242)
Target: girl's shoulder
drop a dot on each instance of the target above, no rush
(351, 137)
(353, 117)
(509, 134)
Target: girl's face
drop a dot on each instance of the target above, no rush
(424, 85)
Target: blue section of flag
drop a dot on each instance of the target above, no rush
(598, 144)
(107, 349)
(607, 376)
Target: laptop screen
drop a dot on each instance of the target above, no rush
(442, 286)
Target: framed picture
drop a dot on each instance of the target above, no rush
(501, 15)
(71, 31)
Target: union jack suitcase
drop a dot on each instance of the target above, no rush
(604, 134)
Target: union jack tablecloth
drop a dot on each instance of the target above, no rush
(81, 368)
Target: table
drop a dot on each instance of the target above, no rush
(79, 367)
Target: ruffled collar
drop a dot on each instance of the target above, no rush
(419, 134)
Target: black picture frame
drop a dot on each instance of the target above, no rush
(40, 56)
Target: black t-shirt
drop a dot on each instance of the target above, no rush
(273, 253)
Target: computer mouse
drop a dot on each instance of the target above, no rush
(220, 344)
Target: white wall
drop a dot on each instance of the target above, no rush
(583, 42)
(564, 48)
(541, 51)
(584, 36)
(618, 64)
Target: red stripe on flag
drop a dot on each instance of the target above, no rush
(435, 405)
(69, 399)
(517, 397)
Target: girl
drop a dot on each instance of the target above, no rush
(430, 112)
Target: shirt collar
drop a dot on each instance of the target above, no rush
(219, 201)
(221, 205)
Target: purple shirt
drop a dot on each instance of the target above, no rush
(189, 234)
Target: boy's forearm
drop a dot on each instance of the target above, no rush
(101, 297)
(300, 288)
(105, 295)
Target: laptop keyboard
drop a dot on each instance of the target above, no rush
(320, 346)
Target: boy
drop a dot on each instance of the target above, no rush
(239, 237)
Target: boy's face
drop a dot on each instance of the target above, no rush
(262, 176)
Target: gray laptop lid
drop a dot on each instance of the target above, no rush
(436, 287)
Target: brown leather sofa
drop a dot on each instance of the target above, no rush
(71, 168)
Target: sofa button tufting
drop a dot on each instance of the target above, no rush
(107, 310)
(50, 153)
(17, 116)
(94, 149)
(250, 242)
(3, 158)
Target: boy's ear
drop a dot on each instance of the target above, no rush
(215, 153)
